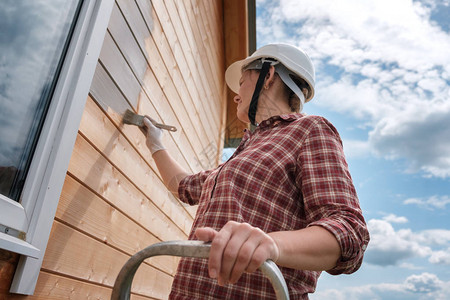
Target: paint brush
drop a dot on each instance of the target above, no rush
(134, 119)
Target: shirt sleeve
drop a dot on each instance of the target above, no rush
(329, 196)
(190, 187)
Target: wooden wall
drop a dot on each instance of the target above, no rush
(164, 59)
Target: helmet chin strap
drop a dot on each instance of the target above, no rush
(259, 84)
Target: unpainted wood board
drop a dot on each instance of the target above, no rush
(209, 24)
(164, 111)
(166, 82)
(197, 52)
(196, 44)
(175, 142)
(216, 8)
(217, 24)
(206, 41)
(166, 27)
(209, 139)
(91, 168)
(218, 39)
(80, 208)
(54, 287)
(71, 253)
(159, 49)
(194, 165)
(213, 22)
(200, 80)
(164, 69)
(193, 8)
(101, 132)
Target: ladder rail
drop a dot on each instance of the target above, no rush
(198, 249)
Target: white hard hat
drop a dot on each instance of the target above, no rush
(293, 62)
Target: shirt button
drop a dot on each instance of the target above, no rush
(364, 247)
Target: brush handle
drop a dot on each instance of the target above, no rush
(166, 127)
(159, 125)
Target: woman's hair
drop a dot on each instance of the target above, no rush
(294, 101)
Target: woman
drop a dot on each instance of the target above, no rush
(285, 194)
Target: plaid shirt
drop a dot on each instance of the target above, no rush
(290, 173)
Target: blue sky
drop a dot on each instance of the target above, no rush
(383, 79)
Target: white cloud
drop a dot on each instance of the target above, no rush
(433, 202)
(390, 247)
(441, 257)
(383, 30)
(423, 283)
(433, 237)
(419, 133)
(383, 62)
(355, 149)
(409, 266)
(415, 287)
(391, 218)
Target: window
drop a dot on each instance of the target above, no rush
(48, 53)
(35, 35)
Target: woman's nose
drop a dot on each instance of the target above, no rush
(236, 99)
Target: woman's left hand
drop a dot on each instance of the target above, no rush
(235, 249)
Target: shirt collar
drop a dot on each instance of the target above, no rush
(272, 121)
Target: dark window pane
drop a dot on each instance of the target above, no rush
(33, 41)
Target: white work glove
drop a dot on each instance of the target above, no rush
(154, 135)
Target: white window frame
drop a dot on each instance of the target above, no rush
(34, 215)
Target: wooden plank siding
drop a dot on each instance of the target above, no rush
(165, 59)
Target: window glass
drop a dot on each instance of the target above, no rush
(33, 41)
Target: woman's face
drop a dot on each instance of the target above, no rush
(247, 85)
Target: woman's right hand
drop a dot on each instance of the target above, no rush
(154, 136)
(236, 249)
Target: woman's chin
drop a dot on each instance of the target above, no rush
(243, 117)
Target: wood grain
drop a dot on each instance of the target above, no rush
(71, 253)
(83, 210)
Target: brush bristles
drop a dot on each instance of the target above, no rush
(134, 119)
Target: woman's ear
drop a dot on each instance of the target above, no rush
(270, 75)
(305, 92)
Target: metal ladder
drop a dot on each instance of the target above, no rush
(199, 249)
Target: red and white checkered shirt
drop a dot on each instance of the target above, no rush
(290, 173)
